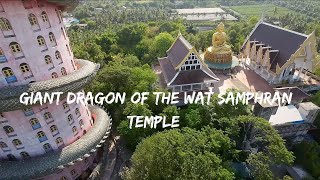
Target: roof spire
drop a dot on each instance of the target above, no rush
(179, 34)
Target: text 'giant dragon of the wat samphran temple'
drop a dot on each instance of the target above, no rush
(45, 141)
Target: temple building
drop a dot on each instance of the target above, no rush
(290, 120)
(184, 70)
(279, 55)
(45, 141)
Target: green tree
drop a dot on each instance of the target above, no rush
(106, 40)
(182, 154)
(308, 155)
(134, 135)
(161, 44)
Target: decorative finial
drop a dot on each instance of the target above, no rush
(179, 34)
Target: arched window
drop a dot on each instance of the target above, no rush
(44, 17)
(5, 24)
(63, 71)
(9, 75)
(3, 145)
(52, 38)
(59, 141)
(54, 75)
(73, 172)
(63, 178)
(58, 55)
(48, 59)
(77, 112)
(81, 123)
(42, 136)
(54, 129)
(11, 157)
(70, 119)
(8, 129)
(15, 47)
(33, 19)
(24, 67)
(2, 57)
(74, 130)
(41, 41)
(24, 155)
(16, 142)
(47, 115)
(35, 123)
(47, 147)
(65, 105)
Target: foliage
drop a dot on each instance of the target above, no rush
(308, 155)
(182, 154)
(161, 44)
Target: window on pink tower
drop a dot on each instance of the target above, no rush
(48, 62)
(27, 4)
(45, 19)
(5, 24)
(6, 28)
(74, 130)
(42, 136)
(66, 106)
(17, 143)
(54, 75)
(81, 123)
(70, 119)
(25, 69)
(24, 155)
(59, 141)
(77, 111)
(34, 22)
(9, 75)
(35, 124)
(73, 172)
(9, 130)
(3, 146)
(63, 178)
(47, 147)
(16, 50)
(42, 43)
(54, 130)
(58, 56)
(1, 115)
(52, 39)
(63, 71)
(3, 58)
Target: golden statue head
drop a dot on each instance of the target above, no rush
(220, 27)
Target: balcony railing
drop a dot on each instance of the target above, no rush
(36, 126)
(43, 138)
(3, 59)
(11, 79)
(28, 113)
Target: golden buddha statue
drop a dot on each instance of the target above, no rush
(219, 52)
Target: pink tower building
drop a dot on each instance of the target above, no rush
(45, 141)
